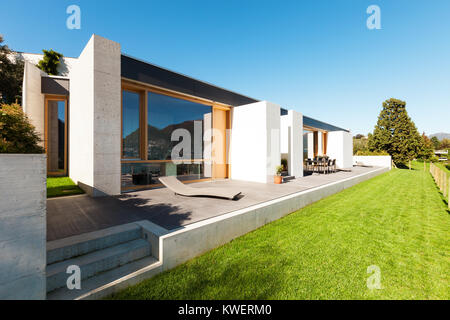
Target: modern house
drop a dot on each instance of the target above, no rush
(114, 123)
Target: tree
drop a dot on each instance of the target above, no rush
(436, 143)
(11, 75)
(395, 133)
(445, 144)
(427, 152)
(17, 135)
(50, 62)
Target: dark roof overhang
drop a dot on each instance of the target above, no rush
(137, 70)
(57, 86)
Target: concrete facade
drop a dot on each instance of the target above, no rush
(255, 142)
(95, 118)
(340, 147)
(291, 144)
(22, 226)
(33, 99)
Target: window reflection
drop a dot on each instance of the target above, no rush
(165, 115)
(147, 174)
(130, 125)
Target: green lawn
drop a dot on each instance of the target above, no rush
(397, 221)
(61, 186)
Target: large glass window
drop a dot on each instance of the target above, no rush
(131, 135)
(167, 114)
(168, 118)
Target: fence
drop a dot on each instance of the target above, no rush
(442, 180)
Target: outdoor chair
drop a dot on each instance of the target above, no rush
(172, 183)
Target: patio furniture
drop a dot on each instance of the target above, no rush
(332, 166)
(309, 165)
(180, 188)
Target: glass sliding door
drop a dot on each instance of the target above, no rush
(56, 136)
(164, 135)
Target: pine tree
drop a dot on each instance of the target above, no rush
(396, 134)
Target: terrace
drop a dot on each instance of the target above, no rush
(69, 216)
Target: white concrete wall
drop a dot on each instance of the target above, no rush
(81, 115)
(95, 107)
(376, 161)
(291, 144)
(33, 99)
(340, 147)
(22, 226)
(255, 142)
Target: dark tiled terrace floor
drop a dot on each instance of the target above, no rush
(79, 214)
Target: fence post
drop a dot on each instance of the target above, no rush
(448, 200)
(445, 184)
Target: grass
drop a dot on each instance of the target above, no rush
(61, 186)
(396, 221)
(443, 166)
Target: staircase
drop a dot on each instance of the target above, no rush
(103, 257)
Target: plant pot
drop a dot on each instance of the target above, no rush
(277, 179)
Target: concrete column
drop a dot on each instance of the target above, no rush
(255, 142)
(292, 141)
(95, 116)
(319, 143)
(33, 99)
(310, 145)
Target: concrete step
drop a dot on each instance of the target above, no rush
(67, 248)
(109, 282)
(98, 261)
(287, 178)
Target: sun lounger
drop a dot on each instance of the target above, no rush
(178, 187)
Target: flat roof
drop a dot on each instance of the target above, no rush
(136, 69)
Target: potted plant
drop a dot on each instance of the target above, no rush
(278, 179)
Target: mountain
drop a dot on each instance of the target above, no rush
(440, 135)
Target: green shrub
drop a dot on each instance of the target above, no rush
(17, 135)
(50, 62)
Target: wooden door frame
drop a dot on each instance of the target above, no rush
(66, 125)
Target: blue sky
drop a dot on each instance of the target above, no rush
(317, 57)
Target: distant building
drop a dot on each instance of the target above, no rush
(442, 154)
